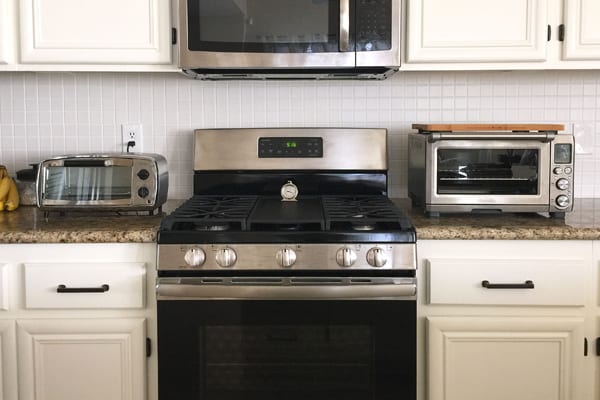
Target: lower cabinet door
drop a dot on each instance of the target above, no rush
(517, 358)
(8, 360)
(77, 359)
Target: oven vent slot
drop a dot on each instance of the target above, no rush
(212, 280)
(257, 281)
(316, 281)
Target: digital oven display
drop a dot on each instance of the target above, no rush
(562, 153)
(290, 147)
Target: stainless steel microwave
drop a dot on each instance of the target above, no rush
(115, 182)
(485, 168)
(293, 39)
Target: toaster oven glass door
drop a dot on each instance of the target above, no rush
(88, 184)
(512, 171)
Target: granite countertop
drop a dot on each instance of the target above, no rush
(28, 225)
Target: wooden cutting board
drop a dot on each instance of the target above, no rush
(487, 127)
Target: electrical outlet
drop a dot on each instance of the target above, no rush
(131, 135)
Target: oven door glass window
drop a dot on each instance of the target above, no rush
(488, 171)
(264, 26)
(84, 184)
(293, 350)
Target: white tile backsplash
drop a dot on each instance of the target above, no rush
(48, 114)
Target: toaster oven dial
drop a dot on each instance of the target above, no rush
(143, 192)
(562, 184)
(194, 257)
(285, 257)
(345, 257)
(376, 257)
(226, 257)
(143, 174)
(562, 201)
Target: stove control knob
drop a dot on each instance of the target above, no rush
(562, 184)
(345, 257)
(226, 257)
(562, 201)
(376, 257)
(194, 257)
(285, 257)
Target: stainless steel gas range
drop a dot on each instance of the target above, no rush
(289, 273)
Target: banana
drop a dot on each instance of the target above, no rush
(4, 188)
(12, 201)
(1, 206)
(3, 172)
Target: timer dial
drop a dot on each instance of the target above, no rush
(289, 192)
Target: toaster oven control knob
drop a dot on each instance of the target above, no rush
(285, 257)
(376, 257)
(143, 192)
(562, 184)
(226, 257)
(562, 201)
(143, 174)
(345, 257)
(194, 257)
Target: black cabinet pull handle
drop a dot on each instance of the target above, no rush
(65, 289)
(526, 285)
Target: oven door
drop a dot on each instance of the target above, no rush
(291, 34)
(508, 174)
(248, 343)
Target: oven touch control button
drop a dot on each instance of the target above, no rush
(562, 201)
(226, 257)
(562, 184)
(376, 257)
(285, 257)
(345, 257)
(194, 257)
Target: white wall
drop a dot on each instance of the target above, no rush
(46, 114)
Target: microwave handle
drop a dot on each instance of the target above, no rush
(344, 25)
(541, 136)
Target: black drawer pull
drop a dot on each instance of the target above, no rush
(526, 285)
(65, 289)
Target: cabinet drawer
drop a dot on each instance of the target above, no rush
(509, 282)
(3, 287)
(84, 285)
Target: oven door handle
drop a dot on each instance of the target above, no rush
(541, 136)
(182, 291)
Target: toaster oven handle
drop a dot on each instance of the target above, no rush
(84, 163)
(344, 25)
(541, 136)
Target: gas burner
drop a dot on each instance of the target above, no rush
(357, 227)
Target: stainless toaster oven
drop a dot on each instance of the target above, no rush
(117, 182)
(487, 167)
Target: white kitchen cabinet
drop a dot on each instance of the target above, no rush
(501, 34)
(79, 345)
(8, 360)
(95, 32)
(474, 358)
(7, 34)
(476, 31)
(582, 30)
(74, 359)
(521, 341)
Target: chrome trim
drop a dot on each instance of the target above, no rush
(228, 149)
(309, 256)
(344, 25)
(294, 288)
(541, 136)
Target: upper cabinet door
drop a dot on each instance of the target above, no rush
(476, 31)
(7, 38)
(95, 32)
(582, 31)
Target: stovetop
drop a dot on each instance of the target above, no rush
(267, 219)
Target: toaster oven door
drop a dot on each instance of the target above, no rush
(86, 182)
(500, 174)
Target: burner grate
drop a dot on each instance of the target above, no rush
(363, 213)
(211, 213)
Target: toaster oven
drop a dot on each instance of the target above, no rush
(487, 168)
(116, 182)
